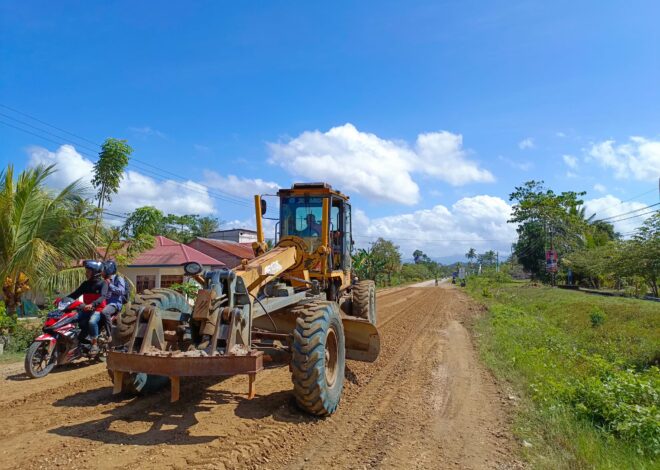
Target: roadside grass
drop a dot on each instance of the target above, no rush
(586, 368)
(9, 357)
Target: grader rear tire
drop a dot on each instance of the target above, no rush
(318, 358)
(364, 301)
(164, 299)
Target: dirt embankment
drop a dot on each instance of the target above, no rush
(425, 403)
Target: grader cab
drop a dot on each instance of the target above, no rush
(299, 300)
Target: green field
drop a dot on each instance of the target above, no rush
(586, 368)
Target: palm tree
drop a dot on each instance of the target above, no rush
(42, 234)
(470, 255)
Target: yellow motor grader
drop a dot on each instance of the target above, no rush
(299, 300)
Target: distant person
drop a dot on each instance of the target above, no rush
(117, 294)
(94, 291)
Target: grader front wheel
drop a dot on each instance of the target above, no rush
(364, 301)
(318, 358)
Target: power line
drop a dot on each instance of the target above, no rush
(626, 213)
(154, 172)
(638, 215)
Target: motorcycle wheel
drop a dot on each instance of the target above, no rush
(36, 365)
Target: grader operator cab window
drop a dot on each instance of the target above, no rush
(303, 217)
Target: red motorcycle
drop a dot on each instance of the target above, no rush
(62, 341)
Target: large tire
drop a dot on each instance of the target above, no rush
(318, 357)
(364, 301)
(164, 299)
(34, 366)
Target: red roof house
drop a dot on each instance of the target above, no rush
(162, 265)
(229, 252)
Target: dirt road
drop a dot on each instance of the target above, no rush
(425, 403)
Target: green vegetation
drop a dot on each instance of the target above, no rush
(586, 367)
(381, 262)
(149, 221)
(548, 220)
(39, 234)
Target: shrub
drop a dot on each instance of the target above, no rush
(626, 403)
(597, 317)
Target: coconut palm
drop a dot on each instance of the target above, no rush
(42, 234)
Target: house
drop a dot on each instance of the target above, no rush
(161, 266)
(239, 235)
(231, 253)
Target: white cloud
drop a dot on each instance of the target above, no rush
(479, 222)
(570, 161)
(523, 166)
(135, 190)
(638, 159)
(377, 168)
(609, 206)
(147, 131)
(600, 188)
(570, 174)
(560, 135)
(237, 186)
(527, 143)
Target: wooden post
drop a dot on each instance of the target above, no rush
(176, 387)
(118, 382)
(251, 388)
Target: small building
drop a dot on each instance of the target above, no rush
(161, 266)
(239, 235)
(231, 253)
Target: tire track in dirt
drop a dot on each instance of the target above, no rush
(396, 412)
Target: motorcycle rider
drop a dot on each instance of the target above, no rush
(94, 291)
(116, 294)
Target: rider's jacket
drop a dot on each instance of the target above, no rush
(94, 291)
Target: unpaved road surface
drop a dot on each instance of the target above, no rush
(426, 402)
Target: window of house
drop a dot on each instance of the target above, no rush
(144, 282)
(168, 280)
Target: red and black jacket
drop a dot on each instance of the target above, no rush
(94, 292)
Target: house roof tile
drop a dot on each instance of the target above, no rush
(167, 252)
(239, 250)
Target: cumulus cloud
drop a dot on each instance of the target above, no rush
(570, 161)
(638, 159)
(609, 206)
(479, 222)
(377, 168)
(238, 186)
(135, 190)
(527, 143)
(600, 188)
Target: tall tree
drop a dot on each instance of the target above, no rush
(145, 220)
(545, 219)
(388, 254)
(41, 232)
(108, 172)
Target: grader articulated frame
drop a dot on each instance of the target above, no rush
(299, 300)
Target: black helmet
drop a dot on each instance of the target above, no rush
(109, 268)
(95, 266)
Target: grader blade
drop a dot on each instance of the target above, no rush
(362, 340)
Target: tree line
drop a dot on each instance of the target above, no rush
(590, 251)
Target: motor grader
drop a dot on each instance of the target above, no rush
(299, 300)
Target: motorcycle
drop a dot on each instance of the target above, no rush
(62, 342)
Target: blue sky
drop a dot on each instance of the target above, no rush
(427, 113)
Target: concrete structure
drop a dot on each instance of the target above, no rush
(229, 252)
(161, 266)
(238, 235)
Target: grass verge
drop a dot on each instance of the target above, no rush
(586, 368)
